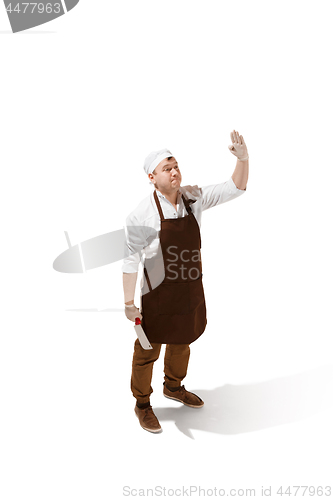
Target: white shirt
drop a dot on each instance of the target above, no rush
(146, 216)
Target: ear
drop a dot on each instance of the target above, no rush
(151, 178)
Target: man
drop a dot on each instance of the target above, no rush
(173, 310)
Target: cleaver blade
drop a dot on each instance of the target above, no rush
(145, 344)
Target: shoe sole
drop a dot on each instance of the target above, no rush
(180, 401)
(146, 428)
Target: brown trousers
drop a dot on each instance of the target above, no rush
(175, 367)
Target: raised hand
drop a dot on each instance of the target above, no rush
(238, 147)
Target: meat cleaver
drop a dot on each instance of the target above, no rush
(145, 344)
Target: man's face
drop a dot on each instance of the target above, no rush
(167, 175)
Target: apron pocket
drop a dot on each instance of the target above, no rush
(196, 293)
(173, 298)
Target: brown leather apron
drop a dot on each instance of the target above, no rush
(175, 311)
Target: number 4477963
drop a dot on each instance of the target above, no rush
(30, 7)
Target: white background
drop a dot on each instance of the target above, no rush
(83, 100)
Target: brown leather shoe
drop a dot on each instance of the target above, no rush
(147, 419)
(184, 396)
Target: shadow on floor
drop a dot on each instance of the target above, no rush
(235, 409)
(94, 309)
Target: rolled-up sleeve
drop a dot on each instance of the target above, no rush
(134, 244)
(215, 194)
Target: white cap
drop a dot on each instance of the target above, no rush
(154, 158)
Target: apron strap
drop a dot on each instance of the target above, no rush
(147, 279)
(187, 205)
(158, 205)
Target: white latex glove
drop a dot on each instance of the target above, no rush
(132, 312)
(238, 147)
